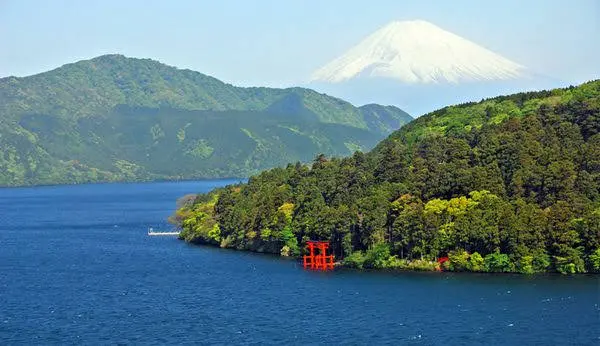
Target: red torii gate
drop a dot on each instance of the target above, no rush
(320, 261)
(441, 262)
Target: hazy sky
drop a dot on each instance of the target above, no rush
(280, 42)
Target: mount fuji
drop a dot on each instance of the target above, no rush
(419, 67)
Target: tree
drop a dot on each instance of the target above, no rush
(497, 263)
(594, 260)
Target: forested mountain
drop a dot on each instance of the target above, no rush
(116, 118)
(507, 184)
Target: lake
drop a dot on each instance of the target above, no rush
(77, 267)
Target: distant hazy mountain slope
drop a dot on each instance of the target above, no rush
(421, 67)
(418, 52)
(117, 118)
(380, 118)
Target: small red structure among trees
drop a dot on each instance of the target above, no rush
(317, 259)
(441, 262)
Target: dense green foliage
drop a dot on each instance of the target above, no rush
(510, 184)
(116, 118)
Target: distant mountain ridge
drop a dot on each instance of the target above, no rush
(421, 67)
(418, 52)
(109, 80)
(115, 118)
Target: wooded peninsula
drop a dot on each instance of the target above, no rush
(508, 184)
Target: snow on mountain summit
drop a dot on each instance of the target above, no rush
(418, 52)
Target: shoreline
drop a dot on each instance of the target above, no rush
(339, 265)
(114, 182)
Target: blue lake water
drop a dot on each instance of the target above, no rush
(77, 267)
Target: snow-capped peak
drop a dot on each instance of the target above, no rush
(418, 52)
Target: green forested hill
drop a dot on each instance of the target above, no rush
(506, 184)
(116, 118)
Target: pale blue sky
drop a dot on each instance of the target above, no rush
(280, 42)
